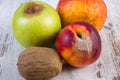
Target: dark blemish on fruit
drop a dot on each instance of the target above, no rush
(79, 35)
(33, 8)
(98, 74)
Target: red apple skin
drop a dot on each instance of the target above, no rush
(79, 44)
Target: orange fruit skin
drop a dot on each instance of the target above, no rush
(93, 12)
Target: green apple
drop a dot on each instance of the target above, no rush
(36, 23)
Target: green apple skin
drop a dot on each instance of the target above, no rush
(36, 29)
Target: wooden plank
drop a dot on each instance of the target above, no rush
(107, 67)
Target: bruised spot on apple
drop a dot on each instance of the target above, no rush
(79, 44)
(33, 9)
(36, 23)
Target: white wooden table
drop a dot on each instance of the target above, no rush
(107, 66)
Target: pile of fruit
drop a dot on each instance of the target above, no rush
(70, 33)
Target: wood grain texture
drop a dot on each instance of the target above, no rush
(107, 67)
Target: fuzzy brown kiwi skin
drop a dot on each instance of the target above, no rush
(39, 63)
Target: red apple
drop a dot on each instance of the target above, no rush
(79, 44)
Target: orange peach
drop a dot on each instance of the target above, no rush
(79, 44)
(91, 11)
